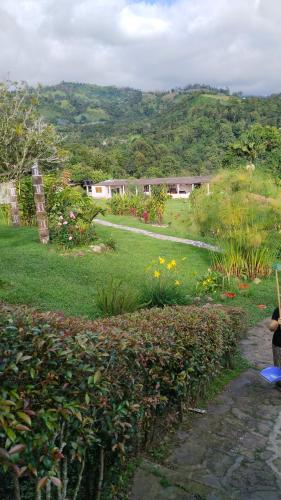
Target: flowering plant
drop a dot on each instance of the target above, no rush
(163, 285)
(70, 230)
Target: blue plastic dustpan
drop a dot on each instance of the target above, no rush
(271, 374)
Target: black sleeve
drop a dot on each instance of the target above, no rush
(275, 314)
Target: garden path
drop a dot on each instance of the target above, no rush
(231, 452)
(194, 243)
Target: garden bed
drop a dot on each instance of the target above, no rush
(78, 397)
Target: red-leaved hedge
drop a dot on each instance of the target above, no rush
(76, 396)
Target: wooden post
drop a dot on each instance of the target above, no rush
(15, 213)
(39, 199)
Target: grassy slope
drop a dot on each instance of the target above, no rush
(44, 277)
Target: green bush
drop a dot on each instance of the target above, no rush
(137, 204)
(77, 396)
(71, 217)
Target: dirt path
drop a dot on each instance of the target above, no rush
(233, 451)
(194, 243)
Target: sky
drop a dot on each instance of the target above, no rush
(150, 45)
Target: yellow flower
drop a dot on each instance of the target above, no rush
(177, 282)
(161, 260)
(156, 274)
(171, 264)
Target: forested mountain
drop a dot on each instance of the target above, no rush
(127, 132)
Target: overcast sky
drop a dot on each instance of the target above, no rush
(156, 44)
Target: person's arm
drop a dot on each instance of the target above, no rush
(273, 325)
(275, 320)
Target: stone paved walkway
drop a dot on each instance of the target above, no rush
(233, 451)
(194, 243)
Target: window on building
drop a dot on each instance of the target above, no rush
(98, 190)
(172, 189)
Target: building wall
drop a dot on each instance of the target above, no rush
(181, 191)
(99, 191)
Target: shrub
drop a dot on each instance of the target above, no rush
(150, 208)
(70, 230)
(71, 217)
(77, 396)
(163, 285)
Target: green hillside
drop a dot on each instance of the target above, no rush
(123, 131)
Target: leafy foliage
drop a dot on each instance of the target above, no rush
(149, 208)
(126, 132)
(79, 395)
(24, 136)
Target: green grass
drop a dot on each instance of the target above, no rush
(176, 217)
(46, 277)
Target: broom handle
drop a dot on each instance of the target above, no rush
(278, 291)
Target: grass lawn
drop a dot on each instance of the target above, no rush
(46, 277)
(176, 217)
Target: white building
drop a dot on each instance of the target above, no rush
(177, 187)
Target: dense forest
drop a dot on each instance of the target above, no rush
(121, 132)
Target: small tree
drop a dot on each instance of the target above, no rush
(24, 136)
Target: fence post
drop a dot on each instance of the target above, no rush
(15, 213)
(39, 198)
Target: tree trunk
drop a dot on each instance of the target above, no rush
(39, 198)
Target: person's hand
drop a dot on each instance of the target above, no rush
(279, 321)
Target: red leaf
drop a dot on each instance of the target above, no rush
(230, 295)
(243, 286)
(56, 481)
(22, 471)
(42, 482)
(20, 427)
(261, 306)
(17, 449)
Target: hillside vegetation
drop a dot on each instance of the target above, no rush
(127, 132)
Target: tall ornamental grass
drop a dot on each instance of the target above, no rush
(243, 213)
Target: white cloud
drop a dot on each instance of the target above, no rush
(143, 44)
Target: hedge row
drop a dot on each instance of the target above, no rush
(77, 396)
